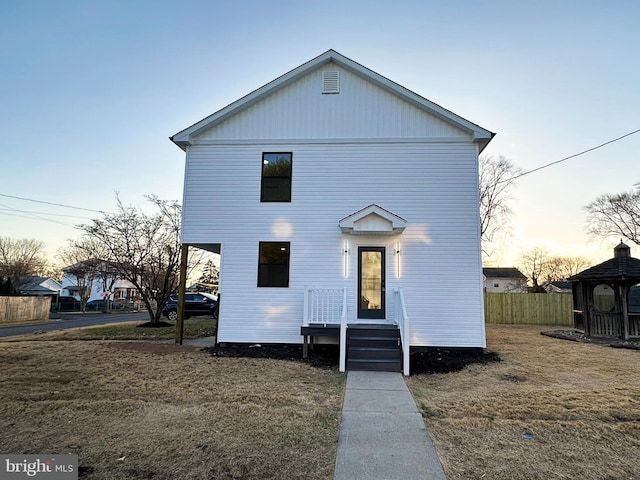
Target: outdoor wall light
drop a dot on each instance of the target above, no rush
(345, 257)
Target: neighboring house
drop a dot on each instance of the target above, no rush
(121, 291)
(558, 287)
(40, 286)
(504, 280)
(332, 194)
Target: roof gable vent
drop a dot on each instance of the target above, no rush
(330, 82)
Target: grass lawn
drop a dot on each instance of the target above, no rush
(142, 410)
(194, 327)
(580, 402)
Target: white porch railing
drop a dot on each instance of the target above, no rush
(328, 306)
(323, 306)
(402, 320)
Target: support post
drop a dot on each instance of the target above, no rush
(587, 298)
(625, 312)
(182, 287)
(343, 332)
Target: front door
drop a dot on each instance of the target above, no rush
(371, 275)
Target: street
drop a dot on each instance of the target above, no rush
(61, 321)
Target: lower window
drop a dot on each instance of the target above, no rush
(273, 264)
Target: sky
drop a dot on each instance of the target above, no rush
(90, 91)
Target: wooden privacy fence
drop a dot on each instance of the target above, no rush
(529, 308)
(24, 309)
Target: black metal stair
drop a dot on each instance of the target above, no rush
(374, 348)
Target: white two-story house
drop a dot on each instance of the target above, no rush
(340, 202)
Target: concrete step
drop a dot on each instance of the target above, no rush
(372, 353)
(380, 365)
(373, 348)
(372, 342)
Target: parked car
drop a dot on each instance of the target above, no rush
(63, 299)
(94, 305)
(194, 304)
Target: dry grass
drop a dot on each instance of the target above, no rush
(138, 410)
(195, 327)
(581, 402)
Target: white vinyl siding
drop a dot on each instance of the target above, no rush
(363, 146)
(431, 185)
(285, 114)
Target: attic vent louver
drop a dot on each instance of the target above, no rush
(330, 82)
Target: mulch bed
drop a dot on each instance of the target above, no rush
(160, 324)
(445, 360)
(436, 360)
(579, 336)
(322, 356)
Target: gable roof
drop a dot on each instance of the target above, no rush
(479, 134)
(36, 285)
(499, 272)
(84, 265)
(373, 220)
(621, 267)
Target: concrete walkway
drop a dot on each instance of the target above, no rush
(382, 435)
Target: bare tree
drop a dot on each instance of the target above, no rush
(497, 178)
(561, 268)
(614, 215)
(103, 272)
(541, 267)
(142, 248)
(534, 263)
(20, 259)
(80, 262)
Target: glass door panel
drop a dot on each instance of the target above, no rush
(371, 289)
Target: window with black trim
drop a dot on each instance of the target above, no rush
(273, 264)
(276, 177)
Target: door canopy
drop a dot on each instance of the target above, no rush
(373, 220)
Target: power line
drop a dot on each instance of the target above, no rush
(51, 203)
(571, 156)
(10, 209)
(29, 215)
(37, 218)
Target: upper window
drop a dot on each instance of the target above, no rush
(273, 264)
(276, 177)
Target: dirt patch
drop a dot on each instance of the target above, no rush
(155, 325)
(436, 360)
(158, 348)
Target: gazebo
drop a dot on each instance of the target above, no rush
(606, 297)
